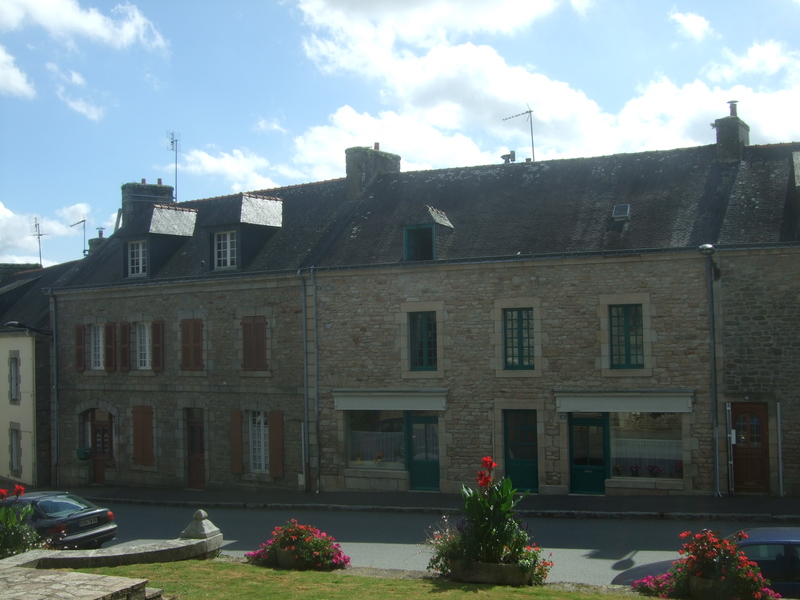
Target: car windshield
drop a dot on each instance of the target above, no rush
(63, 506)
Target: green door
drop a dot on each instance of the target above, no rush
(422, 439)
(521, 457)
(589, 450)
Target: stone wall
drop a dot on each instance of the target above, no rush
(761, 323)
(221, 387)
(361, 346)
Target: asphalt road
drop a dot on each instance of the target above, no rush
(589, 551)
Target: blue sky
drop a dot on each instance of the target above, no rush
(270, 93)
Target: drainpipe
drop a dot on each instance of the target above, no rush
(306, 465)
(56, 407)
(707, 250)
(316, 376)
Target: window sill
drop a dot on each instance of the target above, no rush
(141, 373)
(255, 373)
(98, 373)
(258, 477)
(512, 373)
(646, 372)
(192, 373)
(423, 374)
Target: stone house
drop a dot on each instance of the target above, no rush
(25, 374)
(623, 325)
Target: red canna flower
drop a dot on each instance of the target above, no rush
(488, 463)
(3, 495)
(18, 490)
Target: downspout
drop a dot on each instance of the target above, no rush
(56, 406)
(707, 250)
(780, 452)
(316, 376)
(306, 466)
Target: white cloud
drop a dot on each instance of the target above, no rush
(72, 77)
(692, 25)
(267, 125)
(65, 19)
(240, 168)
(767, 59)
(81, 105)
(13, 82)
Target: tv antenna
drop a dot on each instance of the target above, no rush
(174, 142)
(528, 112)
(82, 222)
(37, 232)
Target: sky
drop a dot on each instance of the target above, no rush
(267, 93)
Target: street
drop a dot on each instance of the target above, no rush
(588, 551)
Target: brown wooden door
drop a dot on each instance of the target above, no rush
(751, 450)
(101, 449)
(196, 449)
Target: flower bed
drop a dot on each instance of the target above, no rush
(302, 546)
(488, 533)
(711, 568)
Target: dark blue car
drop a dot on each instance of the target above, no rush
(776, 551)
(67, 520)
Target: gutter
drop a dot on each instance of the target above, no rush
(306, 450)
(56, 404)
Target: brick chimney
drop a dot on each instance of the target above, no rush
(137, 198)
(733, 135)
(364, 164)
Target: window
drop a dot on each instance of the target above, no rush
(646, 444)
(192, 345)
(15, 449)
(143, 436)
(254, 343)
(626, 336)
(137, 258)
(518, 338)
(418, 243)
(96, 347)
(225, 250)
(422, 340)
(375, 439)
(13, 377)
(144, 357)
(259, 441)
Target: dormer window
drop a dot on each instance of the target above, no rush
(225, 250)
(137, 258)
(419, 242)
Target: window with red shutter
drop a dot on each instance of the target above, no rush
(192, 345)
(80, 348)
(124, 347)
(143, 452)
(110, 347)
(158, 345)
(254, 343)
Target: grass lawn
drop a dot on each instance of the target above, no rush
(233, 580)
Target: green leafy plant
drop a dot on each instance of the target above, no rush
(312, 548)
(706, 555)
(16, 534)
(488, 532)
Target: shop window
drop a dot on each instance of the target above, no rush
(375, 439)
(646, 445)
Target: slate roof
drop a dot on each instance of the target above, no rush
(24, 296)
(678, 198)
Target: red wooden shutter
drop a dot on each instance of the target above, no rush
(124, 346)
(110, 349)
(276, 443)
(143, 436)
(237, 459)
(254, 343)
(157, 337)
(80, 348)
(192, 345)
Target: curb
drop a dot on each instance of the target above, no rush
(534, 514)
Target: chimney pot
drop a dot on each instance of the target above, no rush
(732, 104)
(159, 181)
(377, 145)
(144, 180)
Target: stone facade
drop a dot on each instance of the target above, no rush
(218, 389)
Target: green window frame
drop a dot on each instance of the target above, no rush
(518, 343)
(422, 341)
(419, 242)
(626, 336)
